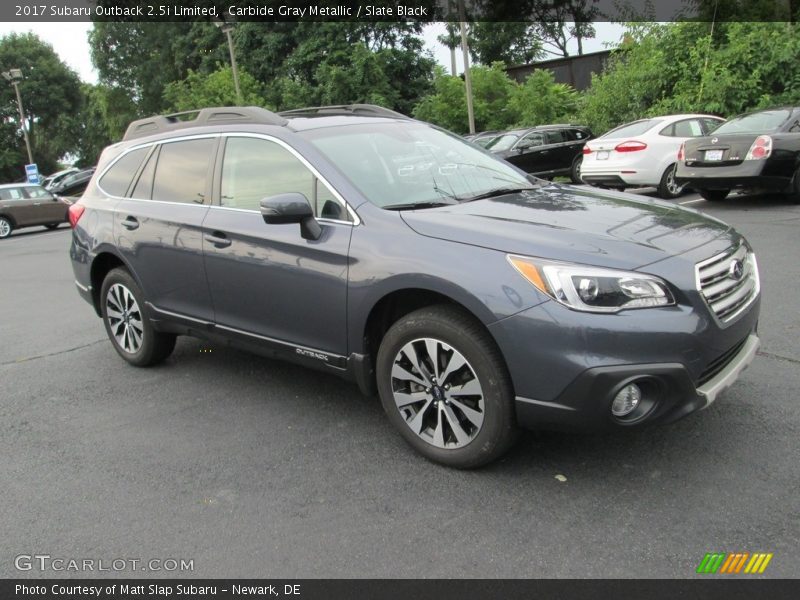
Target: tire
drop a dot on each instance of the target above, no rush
(128, 324)
(575, 170)
(794, 195)
(52, 226)
(714, 195)
(668, 189)
(6, 227)
(462, 430)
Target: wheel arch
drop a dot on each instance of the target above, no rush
(10, 218)
(406, 295)
(102, 264)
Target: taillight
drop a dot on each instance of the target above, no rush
(682, 152)
(760, 149)
(586, 149)
(75, 212)
(631, 146)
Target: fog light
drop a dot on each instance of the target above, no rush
(626, 400)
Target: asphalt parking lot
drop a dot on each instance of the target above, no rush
(255, 468)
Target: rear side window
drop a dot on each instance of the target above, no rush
(116, 180)
(557, 136)
(10, 194)
(631, 129)
(182, 170)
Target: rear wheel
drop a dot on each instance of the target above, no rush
(668, 188)
(794, 195)
(575, 171)
(445, 387)
(5, 228)
(714, 195)
(127, 323)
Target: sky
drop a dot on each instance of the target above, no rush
(69, 40)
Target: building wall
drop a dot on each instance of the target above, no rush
(574, 70)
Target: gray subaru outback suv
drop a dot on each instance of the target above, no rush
(472, 297)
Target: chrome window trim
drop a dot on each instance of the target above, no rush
(354, 223)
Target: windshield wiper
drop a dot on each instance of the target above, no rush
(498, 192)
(416, 205)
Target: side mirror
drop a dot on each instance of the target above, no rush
(524, 146)
(292, 207)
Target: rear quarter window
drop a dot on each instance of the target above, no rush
(117, 179)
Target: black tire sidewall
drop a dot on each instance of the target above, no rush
(663, 190)
(10, 228)
(713, 195)
(144, 355)
(453, 327)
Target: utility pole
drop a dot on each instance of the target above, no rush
(467, 79)
(14, 76)
(227, 28)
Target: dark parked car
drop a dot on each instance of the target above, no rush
(758, 150)
(471, 296)
(484, 138)
(58, 177)
(545, 151)
(74, 184)
(28, 205)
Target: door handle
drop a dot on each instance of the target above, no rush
(218, 239)
(130, 223)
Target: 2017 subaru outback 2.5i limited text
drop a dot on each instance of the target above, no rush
(472, 297)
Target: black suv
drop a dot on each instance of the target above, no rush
(472, 297)
(545, 151)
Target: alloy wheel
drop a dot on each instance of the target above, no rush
(5, 228)
(672, 186)
(124, 318)
(437, 393)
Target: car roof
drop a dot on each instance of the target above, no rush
(18, 185)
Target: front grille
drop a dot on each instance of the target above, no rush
(719, 363)
(729, 282)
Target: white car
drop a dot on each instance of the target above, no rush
(643, 153)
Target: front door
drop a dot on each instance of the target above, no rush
(267, 281)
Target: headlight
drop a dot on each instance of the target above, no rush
(593, 289)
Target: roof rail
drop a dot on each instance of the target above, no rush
(363, 110)
(206, 116)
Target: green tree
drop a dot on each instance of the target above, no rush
(216, 89)
(51, 98)
(540, 100)
(682, 67)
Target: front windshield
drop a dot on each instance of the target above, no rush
(760, 122)
(503, 142)
(406, 163)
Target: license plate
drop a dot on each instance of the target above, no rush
(602, 154)
(713, 154)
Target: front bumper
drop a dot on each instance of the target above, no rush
(566, 366)
(669, 394)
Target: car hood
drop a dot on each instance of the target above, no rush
(571, 224)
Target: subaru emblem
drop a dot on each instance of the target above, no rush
(736, 270)
(714, 140)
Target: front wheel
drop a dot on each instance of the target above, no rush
(127, 323)
(714, 195)
(794, 195)
(52, 226)
(668, 188)
(444, 385)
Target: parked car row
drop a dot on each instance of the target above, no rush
(758, 150)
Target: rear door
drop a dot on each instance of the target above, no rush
(157, 223)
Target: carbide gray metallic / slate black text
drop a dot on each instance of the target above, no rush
(472, 297)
